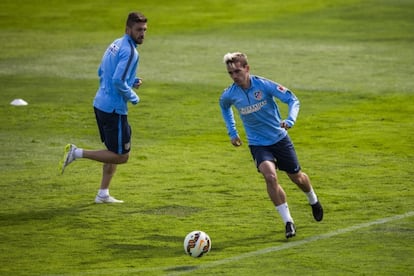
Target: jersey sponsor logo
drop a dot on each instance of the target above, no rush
(252, 108)
(258, 95)
(281, 89)
(113, 49)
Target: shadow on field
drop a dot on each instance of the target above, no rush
(163, 245)
(39, 215)
(174, 210)
(182, 268)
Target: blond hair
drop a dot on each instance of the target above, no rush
(231, 58)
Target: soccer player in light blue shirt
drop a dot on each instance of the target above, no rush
(117, 78)
(266, 131)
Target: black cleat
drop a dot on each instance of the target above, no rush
(290, 230)
(317, 211)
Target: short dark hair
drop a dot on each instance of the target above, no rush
(135, 17)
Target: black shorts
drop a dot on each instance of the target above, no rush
(114, 130)
(282, 153)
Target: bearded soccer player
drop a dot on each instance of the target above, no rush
(117, 78)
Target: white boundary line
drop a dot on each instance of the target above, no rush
(292, 244)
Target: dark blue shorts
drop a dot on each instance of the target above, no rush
(282, 153)
(114, 130)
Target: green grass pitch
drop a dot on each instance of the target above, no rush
(349, 62)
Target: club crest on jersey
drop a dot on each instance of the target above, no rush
(127, 146)
(281, 88)
(113, 49)
(258, 95)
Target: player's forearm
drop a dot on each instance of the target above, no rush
(294, 106)
(126, 91)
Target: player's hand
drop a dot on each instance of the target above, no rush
(236, 142)
(137, 83)
(284, 125)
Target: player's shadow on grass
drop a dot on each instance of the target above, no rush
(160, 245)
(182, 268)
(20, 218)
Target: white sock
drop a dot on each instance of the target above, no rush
(312, 198)
(103, 192)
(78, 153)
(284, 212)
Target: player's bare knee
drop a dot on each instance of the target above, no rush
(122, 159)
(270, 178)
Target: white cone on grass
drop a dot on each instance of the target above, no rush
(19, 102)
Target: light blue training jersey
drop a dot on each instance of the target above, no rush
(258, 110)
(117, 74)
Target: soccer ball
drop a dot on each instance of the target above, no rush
(197, 243)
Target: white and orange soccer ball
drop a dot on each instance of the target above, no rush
(197, 244)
